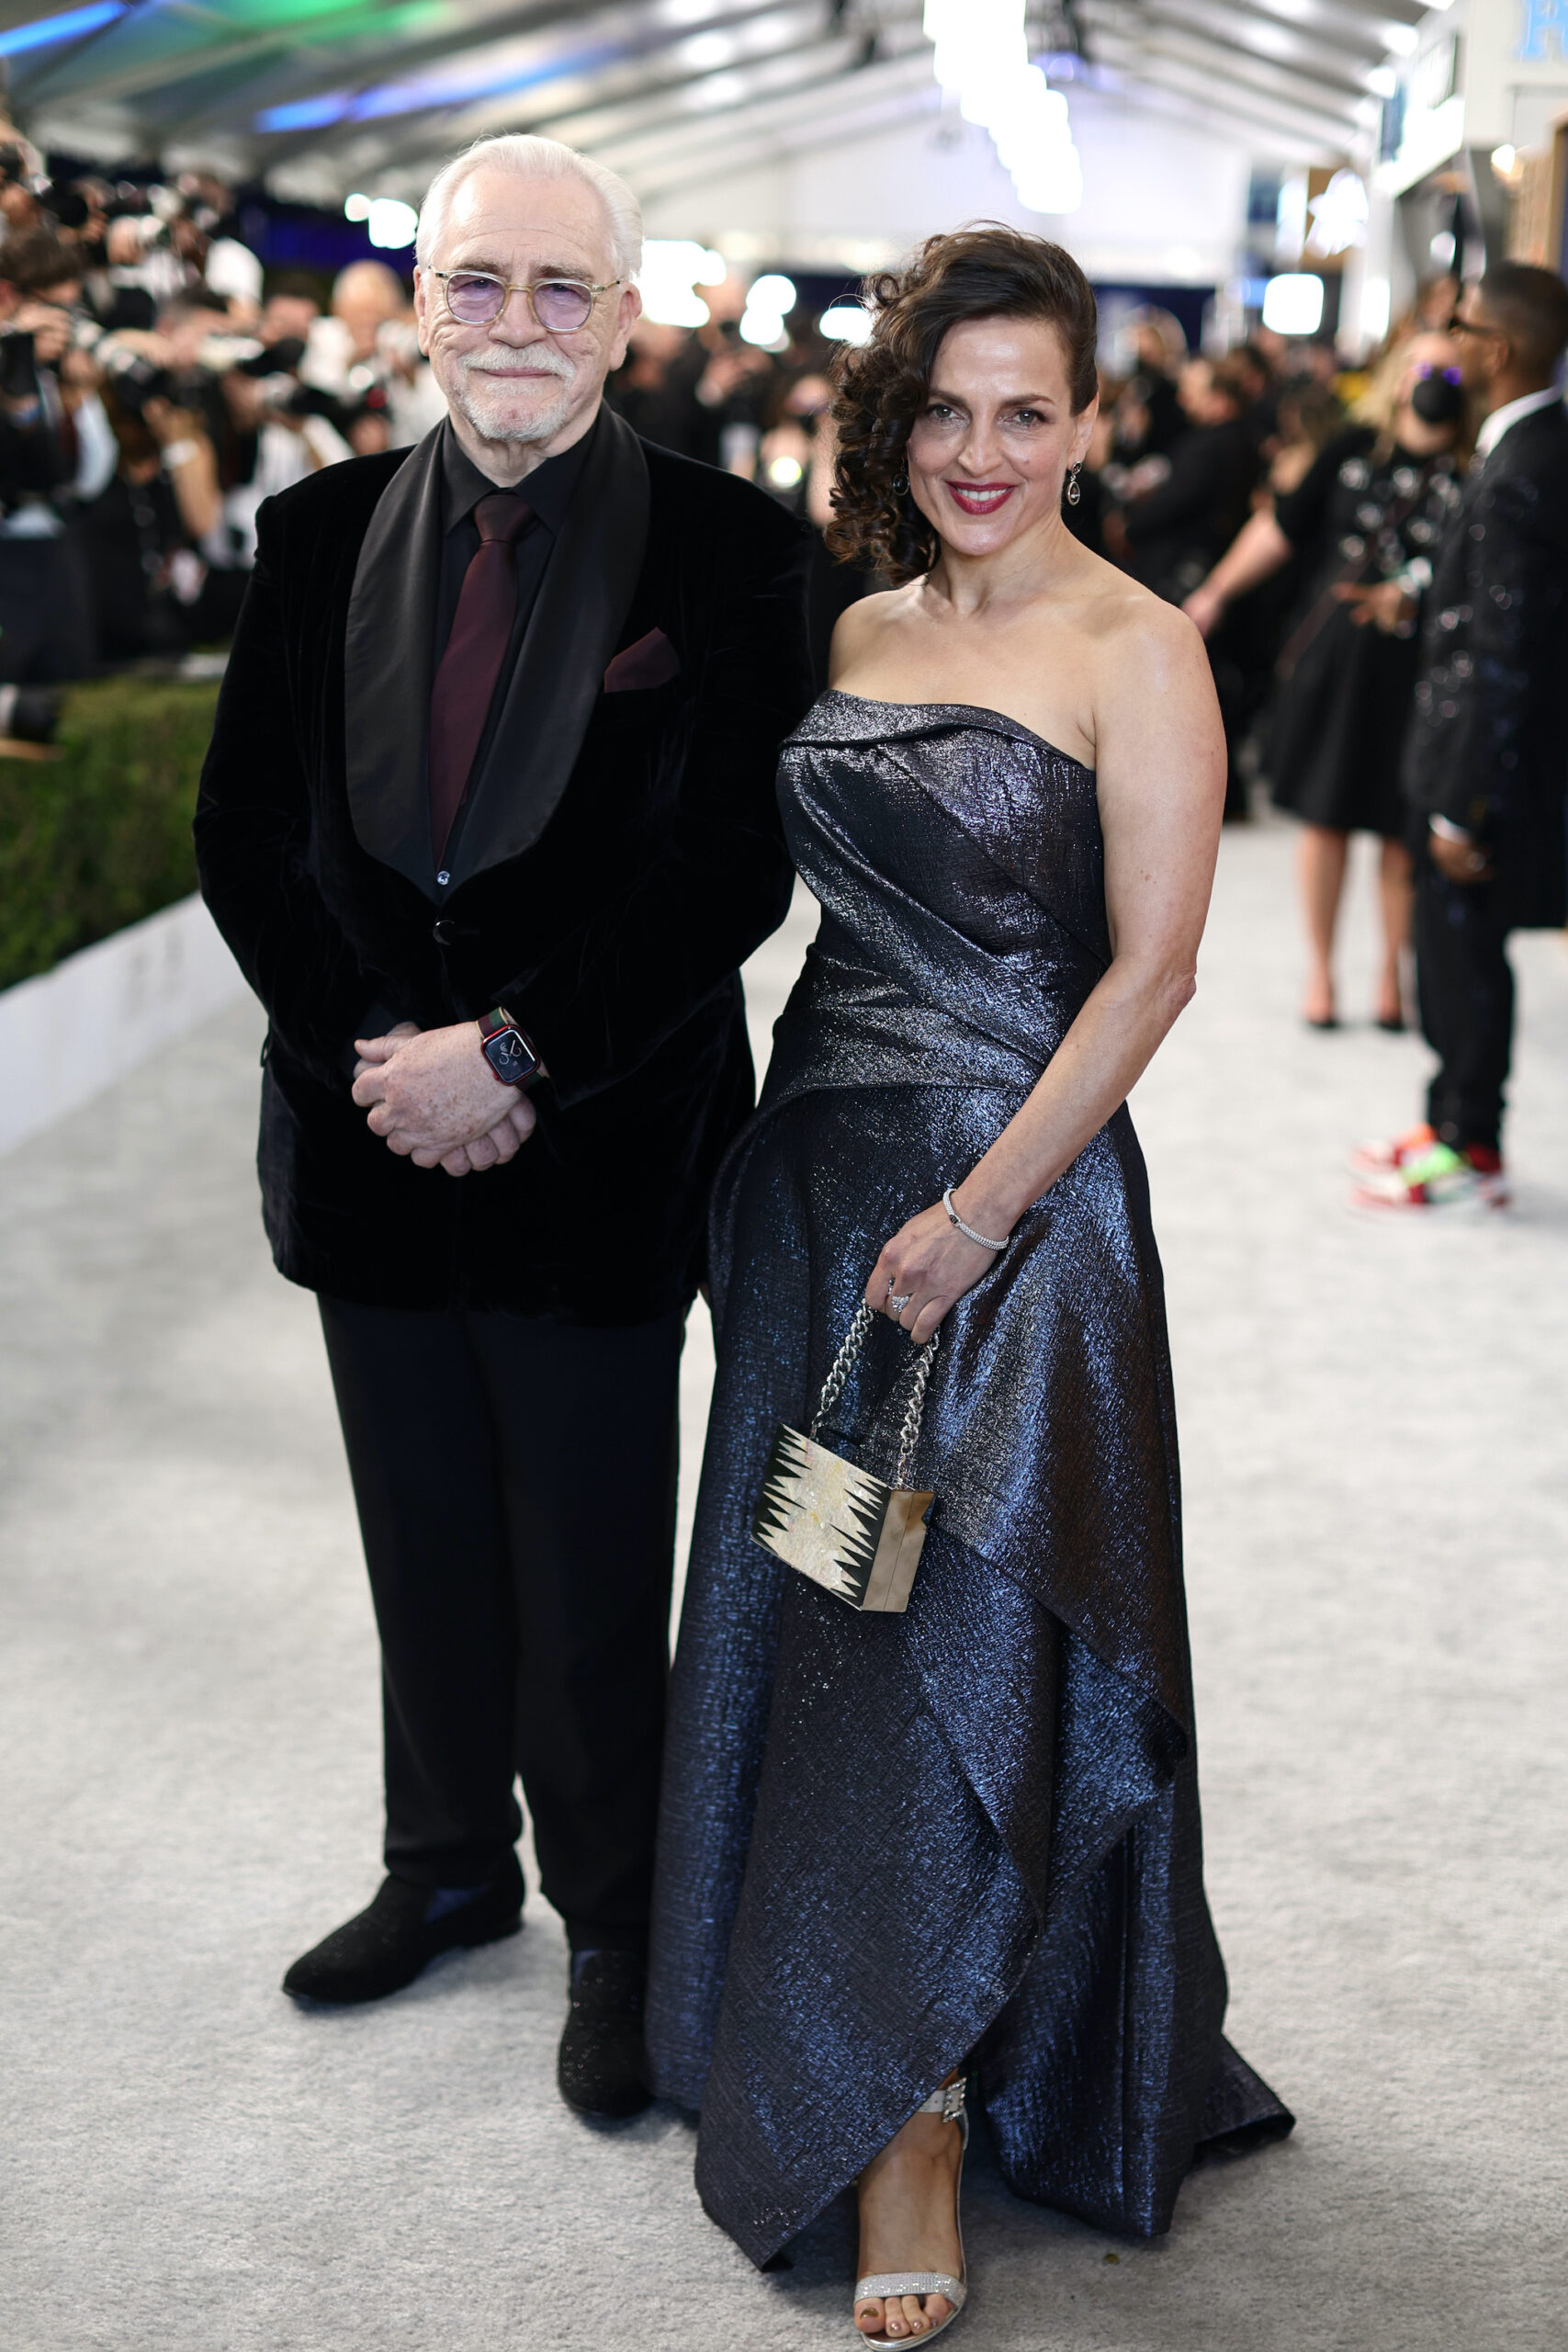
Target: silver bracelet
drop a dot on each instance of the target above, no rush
(967, 1231)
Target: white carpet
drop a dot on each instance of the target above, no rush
(1373, 1428)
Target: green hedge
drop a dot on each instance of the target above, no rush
(101, 836)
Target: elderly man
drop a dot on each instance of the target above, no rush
(489, 821)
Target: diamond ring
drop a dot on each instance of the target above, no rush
(896, 1305)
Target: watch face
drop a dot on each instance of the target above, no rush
(510, 1057)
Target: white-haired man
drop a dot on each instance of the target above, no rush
(489, 822)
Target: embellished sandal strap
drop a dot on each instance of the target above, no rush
(948, 2103)
(911, 2282)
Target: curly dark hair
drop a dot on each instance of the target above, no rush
(986, 271)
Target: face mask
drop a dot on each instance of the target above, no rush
(1439, 399)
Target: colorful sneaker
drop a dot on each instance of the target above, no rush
(1439, 1181)
(1387, 1159)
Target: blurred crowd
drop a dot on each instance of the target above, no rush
(154, 387)
(708, 393)
(1278, 496)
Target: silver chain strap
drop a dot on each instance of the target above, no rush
(909, 1435)
(844, 1362)
(843, 1365)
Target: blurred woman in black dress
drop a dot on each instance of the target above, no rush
(1371, 508)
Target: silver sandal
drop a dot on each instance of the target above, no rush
(948, 2103)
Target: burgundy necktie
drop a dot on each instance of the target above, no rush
(465, 680)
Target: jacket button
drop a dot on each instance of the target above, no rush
(443, 932)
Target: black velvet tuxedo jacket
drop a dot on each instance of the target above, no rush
(617, 856)
(1489, 743)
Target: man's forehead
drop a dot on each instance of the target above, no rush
(506, 211)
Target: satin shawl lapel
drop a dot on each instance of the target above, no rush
(576, 625)
(387, 657)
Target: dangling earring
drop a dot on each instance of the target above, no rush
(1075, 490)
(900, 482)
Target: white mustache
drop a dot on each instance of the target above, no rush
(541, 357)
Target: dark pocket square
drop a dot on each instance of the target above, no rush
(651, 662)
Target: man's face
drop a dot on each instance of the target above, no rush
(509, 379)
(1482, 346)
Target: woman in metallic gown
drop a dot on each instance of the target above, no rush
(899, 1850)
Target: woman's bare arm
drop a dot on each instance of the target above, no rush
(1160, 765)
(1258, 550)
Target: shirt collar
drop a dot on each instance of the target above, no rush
(1494, 426)
(547, 488)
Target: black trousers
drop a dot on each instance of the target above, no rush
(515, 1480)
(1465, 986)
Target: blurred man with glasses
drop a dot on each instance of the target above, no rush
(489, 821)
(1486, 759)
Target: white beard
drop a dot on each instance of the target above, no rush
(488, 405)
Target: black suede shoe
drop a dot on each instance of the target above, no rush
(385, 1947)
(602, 2069)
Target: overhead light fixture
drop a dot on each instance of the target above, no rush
(390, 223)
(18, 39)
(982, 58)
(1293, 304)
(772, 299)
(1377, 307)
(1339, 216)
(846, 322)
(673, 267)
(356, 208)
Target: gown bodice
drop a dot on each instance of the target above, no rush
(959, 867)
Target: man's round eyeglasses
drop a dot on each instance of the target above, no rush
(560, 305)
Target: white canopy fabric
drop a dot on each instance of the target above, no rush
(322, 96)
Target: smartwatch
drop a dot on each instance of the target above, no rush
(507, 1048)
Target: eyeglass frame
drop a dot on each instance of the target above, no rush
(1456, 326)
(522, 285)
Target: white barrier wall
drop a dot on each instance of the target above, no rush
(72, 1031)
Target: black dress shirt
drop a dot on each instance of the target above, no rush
(548, 490)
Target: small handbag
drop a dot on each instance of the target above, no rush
(848, 1530)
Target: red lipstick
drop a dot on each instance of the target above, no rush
(980, 497)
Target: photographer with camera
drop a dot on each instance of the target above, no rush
(56, 452)
(369, 346)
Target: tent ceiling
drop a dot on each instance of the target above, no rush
(321, 96)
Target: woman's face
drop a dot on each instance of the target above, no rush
(1426, 355)
(988, 451)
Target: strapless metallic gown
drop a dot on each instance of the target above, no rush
(891, 1844)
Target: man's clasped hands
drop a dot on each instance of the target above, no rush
(433, 1098)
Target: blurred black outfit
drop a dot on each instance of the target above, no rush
(1166, 421)
(1365, 510)
(1488, 752)
(1177, 533)
(46, 636)
(126, 539)
(504, 1349)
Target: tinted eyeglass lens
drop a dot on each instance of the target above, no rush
(473, 298)
(562, 306)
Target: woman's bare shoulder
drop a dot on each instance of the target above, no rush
(1129, 624)
(862, 626)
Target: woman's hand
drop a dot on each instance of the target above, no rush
(929, 1264)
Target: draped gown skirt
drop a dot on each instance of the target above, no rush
(891, 1844)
